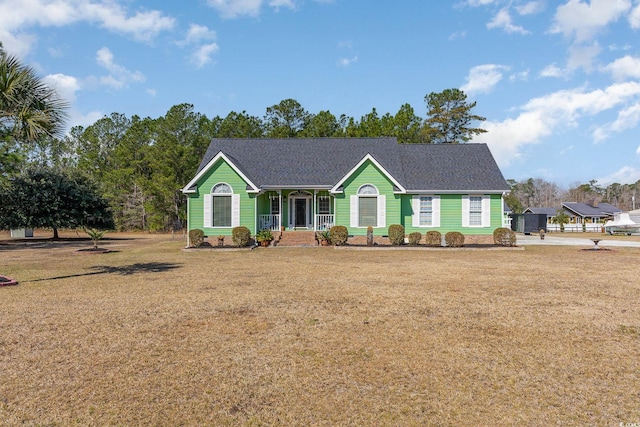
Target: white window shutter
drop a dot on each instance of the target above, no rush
(415, 205)
(354, 211)
(486, 211)
(465, 211)
(382, 211)
(207, 214)
(235, 210)
(435, 207)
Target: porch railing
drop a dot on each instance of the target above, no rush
(269, 222)
(324, 221)
(577, 228)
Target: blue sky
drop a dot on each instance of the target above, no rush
(558, 81)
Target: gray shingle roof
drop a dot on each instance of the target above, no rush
(322, 162)
(585, 210)
(450, 167)
(550, 212)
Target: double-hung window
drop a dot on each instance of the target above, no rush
(221, 207)
(476, 211)
(275, 206)
(221, 203)
(324, 205)
(368, 207)
(426, 211)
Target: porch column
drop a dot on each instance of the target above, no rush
(313, 208)
(281, 212)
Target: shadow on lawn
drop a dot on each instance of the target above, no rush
(127, 270)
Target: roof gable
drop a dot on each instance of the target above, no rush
(368, 158)
(192, 185)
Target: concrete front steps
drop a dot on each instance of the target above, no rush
(296, 238)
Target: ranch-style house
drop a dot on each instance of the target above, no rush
(315, 183)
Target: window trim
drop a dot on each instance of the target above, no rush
(435, 211)
(208, 221)
(380, 206)
(485, 213)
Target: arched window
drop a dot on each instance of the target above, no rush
(368, 206)
(368, 190)
(221, 204)
(221, 188)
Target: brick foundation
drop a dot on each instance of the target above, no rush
(469, 239)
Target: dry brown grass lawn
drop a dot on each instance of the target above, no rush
(152, 335)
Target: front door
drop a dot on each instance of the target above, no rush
(300, 213)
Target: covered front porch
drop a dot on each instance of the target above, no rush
(312, 210)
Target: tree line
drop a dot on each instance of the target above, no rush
(138, 165)
(544, 194)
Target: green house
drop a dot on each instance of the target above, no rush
(315, 183)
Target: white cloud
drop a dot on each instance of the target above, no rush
(521, 76)
(622, 68)
(625, 175)
(229, 9)
(628, 118)
(346, 62)
(152, 92)
(199, 35)
(581, 56)
(553, 70)
(503, 20)
(634, 17)
(458, 35)
(202, 56)
(583, 20)
(614, 47)
(119, 76)
(282, 3)
(543, 116)
(16, 17)
(530, 8)
(483, 78)
(65, 86)
(474, 3)
(638, 150)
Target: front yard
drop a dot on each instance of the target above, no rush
(149, 334)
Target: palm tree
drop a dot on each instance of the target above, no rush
(561, 218)
(29, 109)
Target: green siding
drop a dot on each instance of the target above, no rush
(221, 172)
(451, 215)
(367, 173)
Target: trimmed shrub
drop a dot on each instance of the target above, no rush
(504, 237)
(414, 238)
(196, 237)
(241, 236)
(433, 238)
(339, 235)
(396, 234)
(454, 239)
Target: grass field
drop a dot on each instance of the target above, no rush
(149, 334)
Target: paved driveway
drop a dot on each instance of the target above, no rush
(534, 239)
